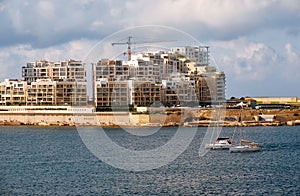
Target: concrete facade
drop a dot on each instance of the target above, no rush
(69, 69)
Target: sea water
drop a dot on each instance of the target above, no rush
(55, 161)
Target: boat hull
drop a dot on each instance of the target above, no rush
(244, 148)
(218, 146)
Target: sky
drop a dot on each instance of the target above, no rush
(255, 42)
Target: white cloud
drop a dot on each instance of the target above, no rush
(16, 21)
(245, 60)
(291, 55)
(290, 68)
(13, 58)
(220, 18)
(48, 21)
(97, 24)
(46, 9)
(32, 30)
(2, 7)
(255, 69)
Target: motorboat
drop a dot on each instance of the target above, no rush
(220, 144)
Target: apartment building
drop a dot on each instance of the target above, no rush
(202, 91)
(41, 92)
(138, 69)
(179, 91)
(60, 93)
(112, 70)
(155, 74)
(36, 70)
(69, 69)
(141, 69)
(124, 93)
(47, 83)
(215, 81)
(171, 66)
(111, 93)
(180, 77)
(71, 92)
(145, 93)
(13, 92)
(198, 54)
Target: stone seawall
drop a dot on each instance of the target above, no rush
(51, 118)
(61, 118)
(176, 117)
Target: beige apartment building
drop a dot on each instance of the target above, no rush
(202, 91)
(145, 93)
(215, 82)
(180, 77)
(111, 70)
(43, 92)
(111, 93)
(13, 92)
(47, 83)
(198, 54)
(69, 69)
(141, 69)
(179, 91)
(71, 92)
(126, 93)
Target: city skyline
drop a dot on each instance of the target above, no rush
(256, 43)
(182, 77)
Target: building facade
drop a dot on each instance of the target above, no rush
(13, 92)
(179, 91)
(182, 77)
(47, 84)
(69, 69)
(198, 54)
(126, 93)
(41, 92)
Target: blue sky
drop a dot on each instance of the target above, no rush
(256, 42)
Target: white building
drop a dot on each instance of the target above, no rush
(199, 54)
(216, 84)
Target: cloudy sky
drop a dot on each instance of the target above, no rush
(256, 42)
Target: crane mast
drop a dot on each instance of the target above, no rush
(129, 43)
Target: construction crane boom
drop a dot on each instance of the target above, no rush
(129, 43)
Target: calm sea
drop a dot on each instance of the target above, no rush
(55, 161)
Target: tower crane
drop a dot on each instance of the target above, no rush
(129, 43)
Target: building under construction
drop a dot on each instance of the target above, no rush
(159, 78)
(180, 77)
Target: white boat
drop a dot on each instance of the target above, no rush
(245, 146)
(220, 144)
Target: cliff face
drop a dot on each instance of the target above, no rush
(232, 116)
(283, 115)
